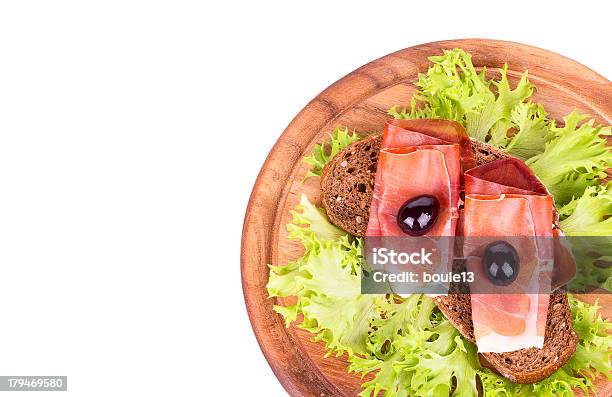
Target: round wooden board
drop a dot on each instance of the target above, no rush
(360, 100)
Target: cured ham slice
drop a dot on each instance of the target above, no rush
(419, 157)
(505, 201)
(406, 133)
(512, 176)
(414, 171)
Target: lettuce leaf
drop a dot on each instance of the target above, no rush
(560, 384)
(592, 357)
(423, 354)
(395, 321)
(575, 158)
(453, 89)
(327, 281)
(309, 224)
(533, 131)
(414, 112)
(498, 112)
(323, 153)
(332, 303)
(589, 215)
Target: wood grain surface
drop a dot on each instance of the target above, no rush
(360, 100)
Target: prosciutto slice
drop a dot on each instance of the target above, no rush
(419, 157)
(505, 201)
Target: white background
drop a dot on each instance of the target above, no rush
(131, 134)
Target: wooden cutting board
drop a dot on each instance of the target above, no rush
(360, 100)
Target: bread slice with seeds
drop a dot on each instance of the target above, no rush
(347, 182)
(346, 185)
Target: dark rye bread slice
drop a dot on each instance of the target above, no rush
(346, 185)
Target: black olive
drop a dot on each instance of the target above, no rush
(501, 263)
(417, 215)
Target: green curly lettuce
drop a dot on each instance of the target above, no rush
(330, 297)
(533, 131)
(453, 89)
(323, 153)
(495, 115)
(425, 357)
(406, 345)
(309, 224)
(576, 157)
(567, 159)
(589, 216)
(592, 357)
